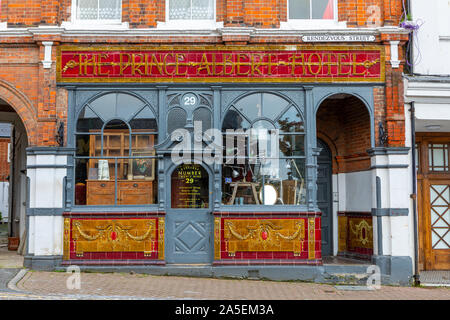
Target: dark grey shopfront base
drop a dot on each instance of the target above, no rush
(394, 270)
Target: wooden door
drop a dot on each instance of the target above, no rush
(436, 225)
(433, 190)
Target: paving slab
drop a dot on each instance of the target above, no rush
(10, 259)
(6, 275)
(138, 286)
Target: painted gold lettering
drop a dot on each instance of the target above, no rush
(329, 62)
(342, 63)
(169, 64)
(102, 63)
(204, 65)
(311, 63)
(256, 63)
(297, 60)
(154, 62)
(137, 65)
(228, 62)
(240, 63)
(85, 63)
(180, 60)
(124, 64)
(355, 65)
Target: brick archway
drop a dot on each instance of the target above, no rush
(344, 123)
(23, 107)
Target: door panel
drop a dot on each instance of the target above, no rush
(188, 237)
(189, 221)
(437, 226)
(324, 197)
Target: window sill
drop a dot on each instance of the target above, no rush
(189, 25)
(95, 25)
(315, 24)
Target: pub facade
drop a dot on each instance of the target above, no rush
(191, 138)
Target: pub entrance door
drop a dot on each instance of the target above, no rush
(189, 220)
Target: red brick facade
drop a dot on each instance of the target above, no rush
(31, 90)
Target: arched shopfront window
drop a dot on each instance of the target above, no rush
(115, 157)
(264, 146)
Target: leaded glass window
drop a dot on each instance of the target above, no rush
(438, 157)
(104, 10)
(191, 9)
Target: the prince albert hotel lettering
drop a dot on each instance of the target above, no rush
(216, 64)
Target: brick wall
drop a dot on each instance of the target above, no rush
(344, 124)
(254, 13)
(4, 164)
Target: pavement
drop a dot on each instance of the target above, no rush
(125, 286)
(17, 283)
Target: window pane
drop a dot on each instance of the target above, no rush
(88, 120)
(190, 187)
(202, 10)
(291, 121)
(250, 106)
(179, 9)
(94, 182)
(87, 10)
(322, 9)
(110, 10)
(127, 106)
(438, 157)
(105, 106)
(176, 119)
(204, 116)
(234, 120)
(242, 184)
(292, 145)
(145, 120)
(299, 9)
(273, 105)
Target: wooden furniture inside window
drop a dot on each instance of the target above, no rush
(131, 188)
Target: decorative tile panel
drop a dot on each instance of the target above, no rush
(113, 238)
(355, 234)
(264, 238)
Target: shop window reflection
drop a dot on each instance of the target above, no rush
(257, 171)
(115, 161)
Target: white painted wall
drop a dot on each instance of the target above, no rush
(433, 37)
(45, 235)
(397, 231)
(4, 196)
(46, 191)
(355, 191)
(46, 184)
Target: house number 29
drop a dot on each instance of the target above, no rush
(189, 100)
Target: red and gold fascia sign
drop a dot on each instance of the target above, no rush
(221, 64)
(113, 239)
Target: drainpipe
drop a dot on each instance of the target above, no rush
(12, 169)
(414, 196)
